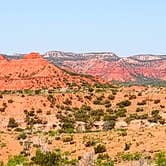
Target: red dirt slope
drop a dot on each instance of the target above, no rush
(33, 72)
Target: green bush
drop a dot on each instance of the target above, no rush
(52, 133)
(100, 148)
(55, 158)
(130, 156)
(22, 136)
(160, 159)
(17, 160)
(104, 160)
(121, 112)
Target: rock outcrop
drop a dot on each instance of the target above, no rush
(110, 67)
(34, 72)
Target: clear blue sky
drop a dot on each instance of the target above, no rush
(125, 27)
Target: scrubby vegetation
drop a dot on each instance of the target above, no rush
(96, 118)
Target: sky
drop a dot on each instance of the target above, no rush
(125, 27)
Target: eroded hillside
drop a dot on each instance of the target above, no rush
(34, 72)
(109, 67)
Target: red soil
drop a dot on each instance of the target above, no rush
(33, 72)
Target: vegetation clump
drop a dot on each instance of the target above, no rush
(12, 123)
(124, 103)
(100, 148)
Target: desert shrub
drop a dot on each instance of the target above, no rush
(67, 127)
(90, 89)
(110, 111)
(55, 158)
(17, 160)
(90, 142)
(18, 129)
(139, 109)
(48, 112)
(2, 109)
(108, 105)
(140, 94)
(156, 101)
(31, 113)
(135, 116)
(121, 112)
(89, 97)
(127, 146)
(22, 135)
(52, 133)
(12, 123)
(114, 91)
(155, 112)
(143, 116)
(160, 159)
(162, 106)
(39, 111)
(111, 97)
(97, 102)
(85, 107)
(4, 105)
(104, 160)
(100, 148)
(37, 91)
(131, 117)
(132, 97)
(124, 103)
(155, 117)
(97, 114)
(130, 156)
(81, 115)
(143, 102)
(122, 132)
(10, 101)
(110, 117)
(51, 99)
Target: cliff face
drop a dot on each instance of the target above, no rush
(110, 67)
(33, 72)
